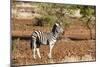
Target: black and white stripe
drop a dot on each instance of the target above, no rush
(39, 37)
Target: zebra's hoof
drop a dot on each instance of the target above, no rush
(34, 57)
(40, 57)
(49, 57)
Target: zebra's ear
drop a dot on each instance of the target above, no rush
(56, 24)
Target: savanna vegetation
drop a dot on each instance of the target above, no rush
(77, 44)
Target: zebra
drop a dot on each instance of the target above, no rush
(39, 37)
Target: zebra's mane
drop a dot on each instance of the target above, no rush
(54, 28)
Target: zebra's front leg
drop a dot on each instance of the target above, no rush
(50, 50)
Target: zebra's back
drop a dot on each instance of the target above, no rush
(43, 37)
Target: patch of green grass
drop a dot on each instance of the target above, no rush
(14, 44)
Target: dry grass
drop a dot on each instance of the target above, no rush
(63, 51)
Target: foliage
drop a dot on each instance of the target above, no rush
(53, 12)
(87, 11)
(57, 12)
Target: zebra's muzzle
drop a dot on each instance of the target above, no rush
(63, 32)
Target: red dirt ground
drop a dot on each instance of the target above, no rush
(23, 54)
(65, 50)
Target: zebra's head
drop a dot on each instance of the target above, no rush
(57, 28)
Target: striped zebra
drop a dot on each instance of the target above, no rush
(39, 37)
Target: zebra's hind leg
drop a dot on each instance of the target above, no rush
(38, 50)
(38, 53)
(34, 47)
(34, 50)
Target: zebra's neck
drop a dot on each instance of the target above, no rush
(55, 34)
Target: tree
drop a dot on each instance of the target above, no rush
(52, 12)
(88, 13)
